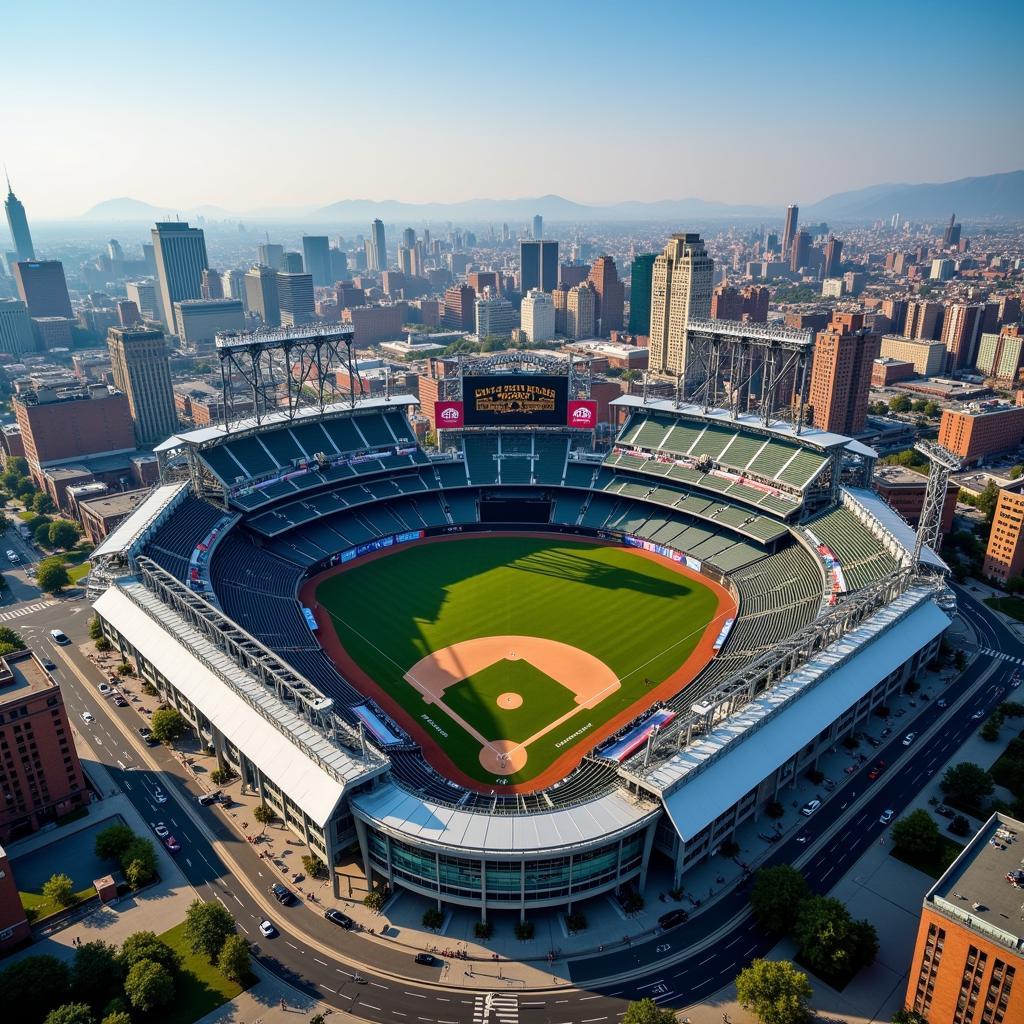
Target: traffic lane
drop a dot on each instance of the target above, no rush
(997, 634)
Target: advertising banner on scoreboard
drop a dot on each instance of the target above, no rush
(448, 415)
(582, 415)
(518, 400)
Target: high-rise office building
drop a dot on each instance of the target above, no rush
(405, 259)
(789, 232)
(270, 254)
(15, 328)
(114, 251)
(339, 264)
(495, 316)
(800, 250)
(538, 266)
(922, 319)
(572, 274)
(212, 285)
(961, 329)
(581, 312)
(459, 308)
(316, 258)
(951, 236)
(138, 359)
(377, 251)
(408, 238)
(1000, 356)
(17, 222)
(42, 287)
(261, 295)
(750, 303)
(538, 227)
(128, 314)
(833, 257)
(146, 296)
(841, 373)
(681, 283)
(537, 316)
(180, 253)
(200, 320)
(640, 293)
(291, 262)
(233, 285)
(611, 295)
(295, 297)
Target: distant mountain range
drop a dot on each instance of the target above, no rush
(989, 197)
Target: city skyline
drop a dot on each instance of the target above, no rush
(358, 147)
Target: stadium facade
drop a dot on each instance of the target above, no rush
(199, 588)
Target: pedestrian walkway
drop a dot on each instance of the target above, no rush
(27, 609)
(1001, 655)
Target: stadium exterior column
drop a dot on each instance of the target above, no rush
(364, 850)
(648, 846)
(218, 747)
(483, 890)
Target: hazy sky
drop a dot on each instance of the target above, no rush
(251, 104)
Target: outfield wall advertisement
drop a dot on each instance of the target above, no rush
(515, 400)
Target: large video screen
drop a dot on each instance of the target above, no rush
(515, 400)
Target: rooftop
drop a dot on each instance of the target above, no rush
(21, 675)
(117, 504)
(986, 409)
(976, 889)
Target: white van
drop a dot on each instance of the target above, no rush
(58, 636)
(12, 557)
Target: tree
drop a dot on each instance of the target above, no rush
(71, 1013)
(775, 991)
(168, 725)
(113, 841)
(233, 961)
(41, 533)
(96, 975)
(207, 926)
(899, 403)
(117, 1017)
(44, 504)
(1014, 585)
(139, 862)
(51, 575)
(95, 628)
(31, 987)
(966, 783)
(146, 946)
(986, 500)
(263, 814)
(830, 941)
(908, 1017)
(149, 986)
(63, 534)
(312, 864)
(776, 897)
(59, 890)
(647, 1011)
(11, 638)
(18, 465)
(375, 899)
(917, 833)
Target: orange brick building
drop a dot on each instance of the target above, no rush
(1004, 555)
(968, 965)
(904, 490)
(981, 430)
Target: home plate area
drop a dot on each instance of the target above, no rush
(499, 690)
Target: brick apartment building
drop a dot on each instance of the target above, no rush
(1004, 553)
(904, 490)
(41, 778)
(844, 354)
(375, 323)
(968, 964)
(14, 926)
(981, 430)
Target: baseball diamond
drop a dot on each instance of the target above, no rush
(509, 656)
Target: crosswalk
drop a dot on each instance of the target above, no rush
(1001, 656)
(496, 1008)
(17, 613)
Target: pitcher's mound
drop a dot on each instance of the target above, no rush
(503, 757)
(510, 701)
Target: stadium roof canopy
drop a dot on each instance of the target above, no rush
(392, 807)
(211, 435)
(808, 435)
(700, 784)
(300, 760)
(120, 540)
(893, 523)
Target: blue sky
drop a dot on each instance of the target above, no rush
(252, 104)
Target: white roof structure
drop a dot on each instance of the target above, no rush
(133, 529)
(808, 435)
(878, 510)
(395, 809)
(219, 432)
(700, 784)
(299, 759)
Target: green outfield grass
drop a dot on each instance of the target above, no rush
(640, 617)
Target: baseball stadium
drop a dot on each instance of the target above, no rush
(510, 670)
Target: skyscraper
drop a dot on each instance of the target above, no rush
(42, 287)
(681, 282)
(146, 296)
(377, 251)
(15, 328)
(611, 295)
(261, 295)
(459, 308)
(316, 258)
(800, 250)
(538, 266)
(951, 236)
(212, 285)
(408, 238)
(291, 262)
(833, 257)
(180, 253)
(269, 254)
(841, 373)
(537, 316)
(922, 319)
(138, 359)
(295, 295)
(961, 330)
(581, 312)
(538, 227)
(640, 293)
(18, 224)
(789, 232)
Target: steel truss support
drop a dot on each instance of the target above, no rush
(941, 462)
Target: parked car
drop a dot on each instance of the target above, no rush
(144, 730)
(425, 959)
(874, 741)
(267, 930)
(209, 798)
(886, 817)
(673, 917)
(12, 557)
(161, 830)
(338, 918)
(106, 689)
(945, 812)
(172, 844)
(876, 771)
(810, 807)
(909, 738)
(119, 701)
(88, 717)
(941, 702)
(282, 894)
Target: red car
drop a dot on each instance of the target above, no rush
(876, 771)
(172, 844)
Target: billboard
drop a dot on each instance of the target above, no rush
(518, 400)
(583, 415)
(448, 415)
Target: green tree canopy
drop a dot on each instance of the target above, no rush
(168, 725)
(138, 862)
(11, 638)
(18, 465)
(830, 941)
(967, 783)
(917, 833)
(776, 897)
(899, 403)
(775, 991)
(647, 1011)
(263, 814)
(207, 926)
(113, 841)
(32, 987)
(51, 575)
(233, 959)
(96, 974)
(95, 628)
(71, 1013)
(63, 534)
(146, 946)
(44, 504)
(117, 1017)
(59, 890)
(148, 986)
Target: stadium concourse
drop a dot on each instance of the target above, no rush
(199, 587)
